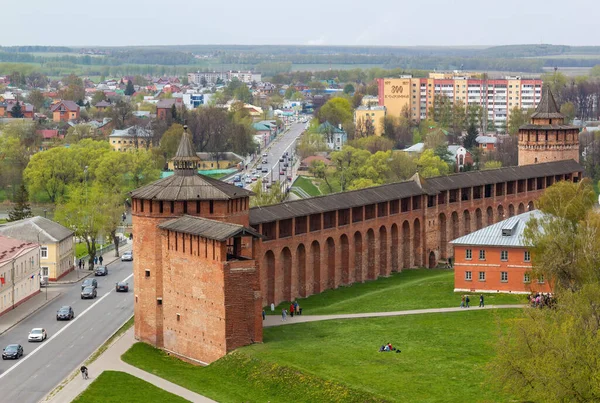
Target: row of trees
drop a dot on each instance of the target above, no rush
(89, 183)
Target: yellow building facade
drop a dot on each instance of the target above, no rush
(57, 250)
(374, 114)
(496, 96)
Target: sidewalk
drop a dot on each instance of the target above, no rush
(77, 275)
(275, 320)
(49, 293)
(27, 308)
(111, 360)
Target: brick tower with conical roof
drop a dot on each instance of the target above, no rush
(547, 138)
(196, 283)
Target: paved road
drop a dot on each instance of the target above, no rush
(69, 343)
(286, 142)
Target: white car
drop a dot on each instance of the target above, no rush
(248, 179)
(37, 334)
(127, 256)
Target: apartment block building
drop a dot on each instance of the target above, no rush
(211, 77)
(496, 96)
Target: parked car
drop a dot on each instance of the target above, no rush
(89, 293)
(237, 178)
(264, 161)
(101, 271)
(289, 178)
(281, 173)
(285, 164)
(281, 159)
(264, 170)
(37, 334)
(265, 155)
(89, 282)
(239, 184)
(127, 256)
(65, 313)
(12, 352)
(122, 287)
(248, 179)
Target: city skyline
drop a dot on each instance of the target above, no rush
(467, 23)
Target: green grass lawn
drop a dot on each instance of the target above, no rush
(120, 387)
(306, 184)
(443, 359)
(409, 289)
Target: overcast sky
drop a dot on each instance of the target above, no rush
(304, 22)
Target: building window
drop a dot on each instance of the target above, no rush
(541, 279)
(44, 271)
(504, 276)
(44, 252)
(468, 254)
(468, 276)
(527, 256)
(481, 254)
(504, 255)
(159, 301)
(147, 273)
(526, 278)
(481, 276)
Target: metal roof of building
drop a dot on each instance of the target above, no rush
(206, 228)
(36, 229)
(394, 191)
(508, 232)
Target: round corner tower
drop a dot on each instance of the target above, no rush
(546, 138)
(185, 193)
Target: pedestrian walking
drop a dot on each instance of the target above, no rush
(100, 259)
(462, 302)
(283, 315)
(95, 260)
(296, 306)
(80, 264)
(481, 304)
(84, 372)
(264, 315)
(467, 300)
(292, 310)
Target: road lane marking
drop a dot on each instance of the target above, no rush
(25, 358)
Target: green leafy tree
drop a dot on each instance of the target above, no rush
(430, 165)
(121, 112)
(84, 212)
(310, 143)
(170, 140)
(51, 172)
(491, 126)
(21, 209)
(336, 111)
(16, 111)
(73, 89)
(319, 170)
(289, 92)
(555, 240)
(37, 99)
(98, 96)
(143, 169)
(79, 132)
(349, 163)
(517, 118)
(550, 355)
(568, 109)
(243, 94)
(266, 197)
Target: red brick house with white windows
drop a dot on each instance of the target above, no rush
(495, 259)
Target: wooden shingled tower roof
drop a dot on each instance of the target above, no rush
(186, 183)
(547, 108)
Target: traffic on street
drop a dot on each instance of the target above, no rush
(276, 162)
(50, 356)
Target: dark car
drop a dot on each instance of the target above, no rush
(89, 282)
(65, 313)
(12, 352)
(280, 159)
(101, 271)
(122, 287)
(88, 292)
(286, 165)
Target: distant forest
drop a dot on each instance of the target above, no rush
(271, 60)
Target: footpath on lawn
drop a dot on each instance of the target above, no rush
(336, 360)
